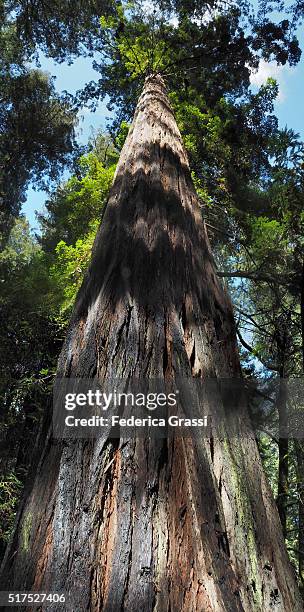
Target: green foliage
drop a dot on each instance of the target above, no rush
(28, 347)
(75, 210)
(209, 47)
(137, 42)
(36, 138)
(29, 338)
(37, 125)
(269, 453)
(78, 202)
(60, 28)
(20, 249)
(68, 269)
(122, 134)
(10, 488)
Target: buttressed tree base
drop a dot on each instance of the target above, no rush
(151, 524)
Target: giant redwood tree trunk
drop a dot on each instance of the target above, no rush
(148, 524)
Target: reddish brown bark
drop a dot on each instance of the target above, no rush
(283, 471)
(299, 448)
(163, 525)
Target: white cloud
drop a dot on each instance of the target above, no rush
(268, 70)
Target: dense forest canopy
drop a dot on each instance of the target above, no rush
(247, 171)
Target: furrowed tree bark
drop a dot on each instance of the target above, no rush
(299, 448)
(283, 471)
(144, 524)
(283, 468)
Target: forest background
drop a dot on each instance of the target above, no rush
(246, 164)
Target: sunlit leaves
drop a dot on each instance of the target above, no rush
(68, 269)
(77, 202)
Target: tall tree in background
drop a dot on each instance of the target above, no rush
(143, 523)
(36, 125)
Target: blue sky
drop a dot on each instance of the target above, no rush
(288, 107)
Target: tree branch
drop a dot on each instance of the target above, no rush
(255, 276)
(253, 352)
